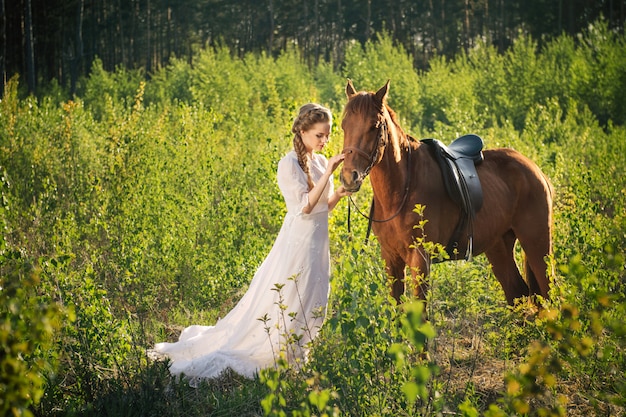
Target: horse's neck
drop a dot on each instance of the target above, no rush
(389, 177)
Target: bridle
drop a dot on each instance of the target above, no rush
(374, 158)
(381, 143)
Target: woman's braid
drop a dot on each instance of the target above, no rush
(309, 115)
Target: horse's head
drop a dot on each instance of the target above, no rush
(365, 130)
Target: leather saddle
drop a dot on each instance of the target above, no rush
(458, 168)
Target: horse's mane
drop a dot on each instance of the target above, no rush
(394, 119)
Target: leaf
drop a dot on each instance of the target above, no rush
(411, 391)
(267, 403)
(319, 399)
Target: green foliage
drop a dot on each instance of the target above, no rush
(573, 346)
(29, 320)
(450, 104)
(93, 346)
(360, 330)
(378, 61)
(170, 84)
(521, 72)
(598, 76)
(139, 207)
(313, 400)
(27, 326)
(105, 92)
(418, 332)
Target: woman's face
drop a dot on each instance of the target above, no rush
(316, 137)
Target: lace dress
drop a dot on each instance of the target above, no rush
(299, 263)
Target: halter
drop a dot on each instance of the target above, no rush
(374, 159)
(380, 144)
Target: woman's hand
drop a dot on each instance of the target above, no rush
(337, 195)
(334, 162)
(342, 192)
(316, 192)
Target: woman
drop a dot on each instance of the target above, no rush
(285, 303)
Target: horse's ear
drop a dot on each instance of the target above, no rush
(350, 91)
(381, 95)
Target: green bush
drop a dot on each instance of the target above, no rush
(29, 322)
(378, 61)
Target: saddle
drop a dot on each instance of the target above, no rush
(458, 168)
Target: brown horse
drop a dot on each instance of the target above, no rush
(517, 201)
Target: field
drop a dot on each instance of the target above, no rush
(144, 204)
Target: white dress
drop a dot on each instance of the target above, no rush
(299, 261)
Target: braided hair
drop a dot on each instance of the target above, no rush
(308, 115)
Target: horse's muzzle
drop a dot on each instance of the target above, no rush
(351, 180)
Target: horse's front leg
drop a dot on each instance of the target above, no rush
(395, 267)
(419, 264)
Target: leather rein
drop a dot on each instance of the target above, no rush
(383, 139)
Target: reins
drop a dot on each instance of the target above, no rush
(373, 160)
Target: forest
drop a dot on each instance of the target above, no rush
(47, 40)
(143, 201)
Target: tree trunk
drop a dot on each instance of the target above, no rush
(339, 37)
(317, 29)
(466, 26)
(77, 62)
(148, 39)
(434, 32)
(560, 19)
(29, 47)
(368, 22)
(120, 23)
(502, 27)
(486, 31)
(444, 31)
(3, 51)
(270, 45)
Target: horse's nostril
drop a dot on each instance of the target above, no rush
(355, 176)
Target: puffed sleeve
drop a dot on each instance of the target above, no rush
(292, 182)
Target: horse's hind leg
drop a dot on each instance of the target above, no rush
(505, 269)
(536, 247)
(533, 228)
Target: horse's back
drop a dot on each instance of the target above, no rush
(512, 165)
(514, 182)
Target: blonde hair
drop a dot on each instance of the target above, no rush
(308, 115)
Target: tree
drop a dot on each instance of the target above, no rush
(45, 39)
(29, 50)
(3, 51)
(77, 58)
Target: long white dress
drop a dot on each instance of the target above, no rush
(299, 263)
